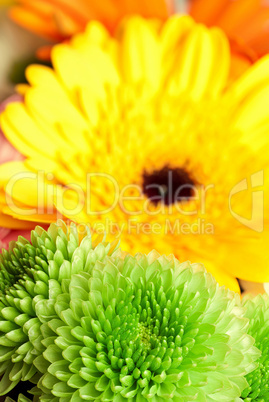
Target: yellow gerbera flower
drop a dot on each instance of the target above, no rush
(142, 134)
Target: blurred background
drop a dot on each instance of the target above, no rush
(17, 48)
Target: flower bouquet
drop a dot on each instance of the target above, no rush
(148, 122)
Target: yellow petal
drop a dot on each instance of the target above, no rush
(198, 61)
(95, 33)
(99, 63)
(221, 51)
(33, 218)
(140, 53)
(248, 98)
(38, 75)
(54, 113)
(89, 105)
(252, 81)
(253, 112)
(251, 265)
(25, 186)
(22, 89)
(71, 203)
(10, 169)
(172, 37)
(43, 164)
(222, 277)
(9, 222)
(89, 67)
(24, 134)
(16, 215)
(77, 137)
(173, 33)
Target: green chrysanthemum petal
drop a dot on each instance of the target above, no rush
(146, 328)
(31, 274)
(257, 311)
(21, 398)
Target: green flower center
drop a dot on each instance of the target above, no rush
(146, 336)
(143, 340)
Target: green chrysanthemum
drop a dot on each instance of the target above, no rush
(30, 274)
(146, 328)
(257, 310)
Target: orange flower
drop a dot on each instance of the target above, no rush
(246, 23)
(58, 20)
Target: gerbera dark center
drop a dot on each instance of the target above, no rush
(168, 186)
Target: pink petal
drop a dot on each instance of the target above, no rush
(7, 235)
